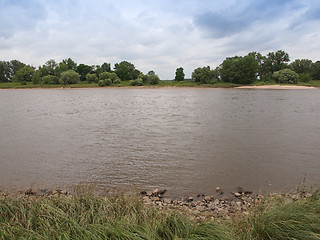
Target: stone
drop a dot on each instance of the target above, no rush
(167, 200)
(143, 193)
(219, 190)
(155, 191)
(237, 194)
(239, 189)
(29, 191)
(64, 192)
(190, 199)
(200, 208)
(208, 198)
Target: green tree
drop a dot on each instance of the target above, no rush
(24, 74)
(151, 78)
(70, 64)
(48, 68)
(69, 77)
(105, 67)
(36, 77)
(301, 66)
(92, 78)
(274, 62)
(286, 76)
(83, 70)
(240, 70)
(179, 74)
(62, 67)
(125, 71)
(315, 70)
(5, 71)
(204, 75)
(15, 66)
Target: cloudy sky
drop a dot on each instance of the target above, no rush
(158, 35)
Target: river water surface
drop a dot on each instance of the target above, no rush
(188, 141)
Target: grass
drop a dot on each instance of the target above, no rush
(163, 83)
(86, 216)
(92, 217)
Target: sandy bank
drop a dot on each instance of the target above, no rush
(276, 87)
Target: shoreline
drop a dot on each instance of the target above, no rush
(272, 87)
(286, 87)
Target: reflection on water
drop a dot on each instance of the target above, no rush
(185, 140)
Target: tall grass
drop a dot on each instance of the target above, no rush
(86, 216)
(92, 217)
(281, 217)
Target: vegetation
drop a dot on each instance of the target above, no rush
(254, 68)
(86, 216)
(179, 74)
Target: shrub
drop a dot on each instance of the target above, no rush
(101, 83)
(117, 81)
(286, 76)
(153, 79)
(92, 78)
(50, 79)
(107, 82)
(137, 82)
(305, 77)
(69, 77)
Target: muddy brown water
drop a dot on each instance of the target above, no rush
(188, 141)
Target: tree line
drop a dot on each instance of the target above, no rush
(240, 70)
(69, 72)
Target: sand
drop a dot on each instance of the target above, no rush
(276, 87)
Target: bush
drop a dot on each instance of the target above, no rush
(101, 83)
(153, 79)
(305, 77)
(92, 78)
(286, 76)
(107, 82)
(50, 79)
(137, 82)
(69, 77)
(117, 81)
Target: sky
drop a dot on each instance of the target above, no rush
(159, 35)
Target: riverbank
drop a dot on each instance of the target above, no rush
(287, 87)
(83, 215)
(164, 84)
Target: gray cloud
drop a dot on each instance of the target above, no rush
(158, 35)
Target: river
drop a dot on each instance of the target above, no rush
(186, 140)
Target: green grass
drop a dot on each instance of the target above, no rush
(86, 216)
(15, 85)
(280, 217)
(92, 217)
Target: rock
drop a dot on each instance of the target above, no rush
(154, 199)
(208, 198)
(237, 194)
(161, 192)
(147, 200)
(64, 192)
(29, 191)
(143, 193)
(200, 208)
(190, 199)
(155, 192)
(54, 192)
(219, 190)
(240, 190)
(168, 201)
